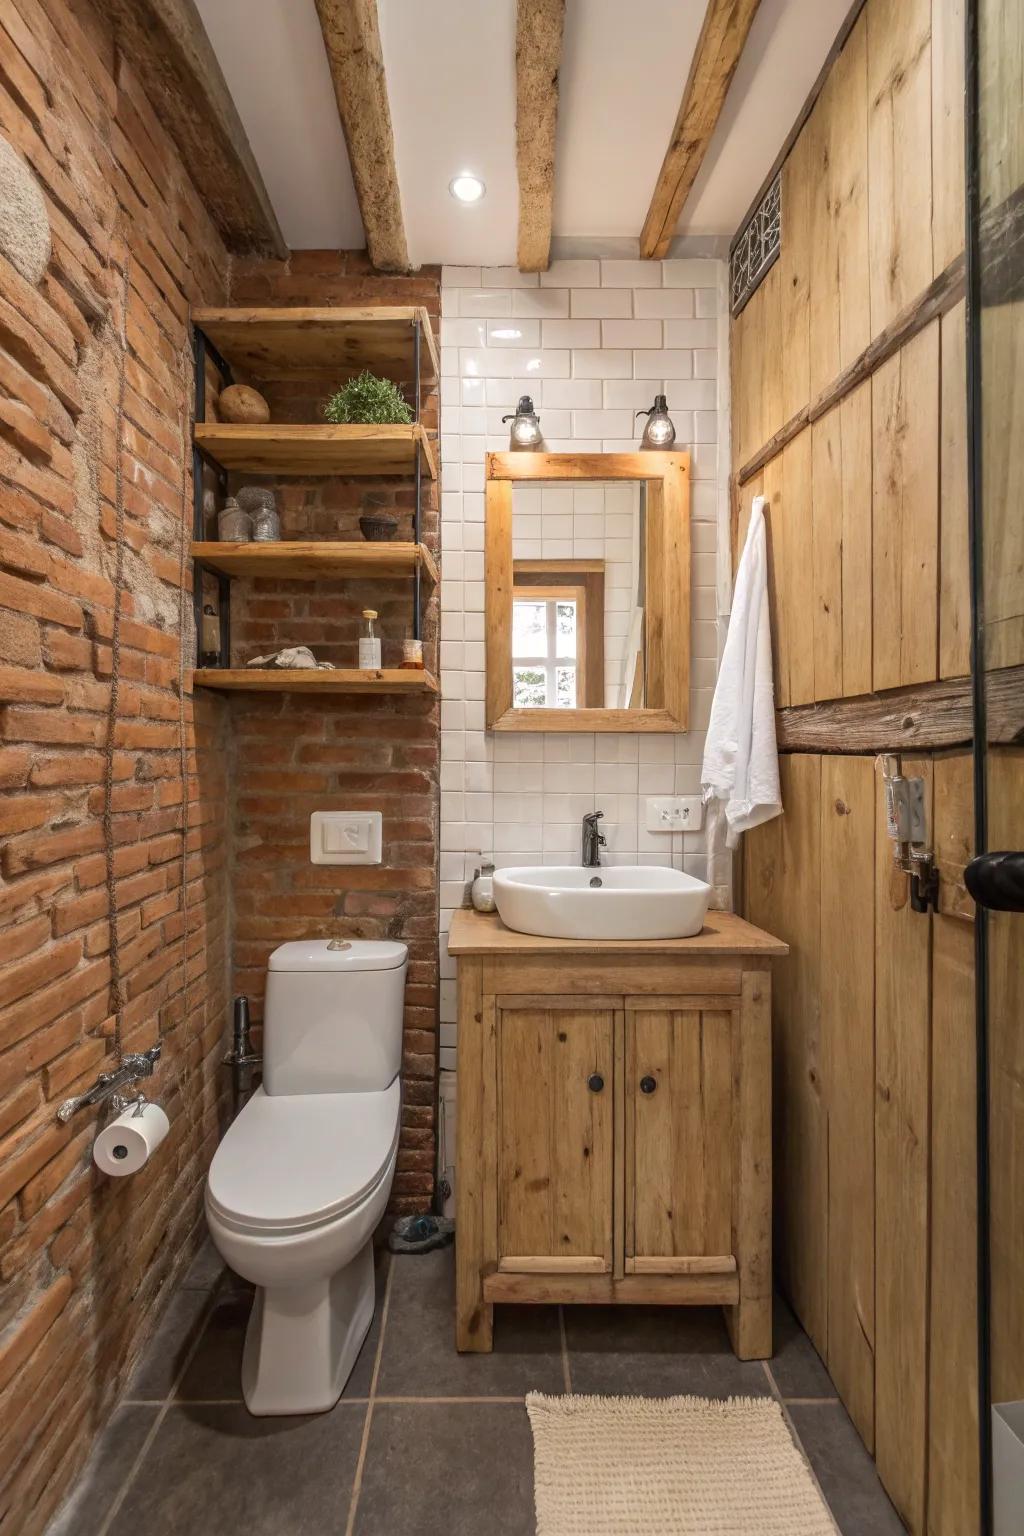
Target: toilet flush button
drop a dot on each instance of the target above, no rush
(345, 837)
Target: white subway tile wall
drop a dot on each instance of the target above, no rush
(592, 341)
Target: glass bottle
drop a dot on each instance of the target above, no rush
(369, 644)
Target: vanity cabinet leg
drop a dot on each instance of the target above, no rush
(474, 1317)
(750, 1320)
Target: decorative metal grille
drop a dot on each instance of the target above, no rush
(757, 247)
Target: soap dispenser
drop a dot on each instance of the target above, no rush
(482, 893)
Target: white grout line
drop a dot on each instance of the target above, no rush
(357, 1481)
(167, 1402)
(772, 1384)
(798, 1442)
(566, 1372)
(442, 1402)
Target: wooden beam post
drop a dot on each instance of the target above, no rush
(167, 47)
(352, 39)
(722, 36)
(539, 25)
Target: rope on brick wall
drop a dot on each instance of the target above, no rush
(185, 373)
(117, 998)
(110, 738)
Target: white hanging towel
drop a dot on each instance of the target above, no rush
(741, 763)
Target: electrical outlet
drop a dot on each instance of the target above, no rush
(675, 813)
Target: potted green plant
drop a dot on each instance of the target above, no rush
(368, 400)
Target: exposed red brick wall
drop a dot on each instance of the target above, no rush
(86, 1261)
(291, 755)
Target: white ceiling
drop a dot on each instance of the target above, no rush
(450, 67)
(273, 58)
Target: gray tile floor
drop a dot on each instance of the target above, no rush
(424, 1440)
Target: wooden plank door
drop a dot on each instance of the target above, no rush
(555, 1096)
(902, 1155)
(678, 1135)
(849, 795)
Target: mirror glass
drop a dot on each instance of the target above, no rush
(578, 596)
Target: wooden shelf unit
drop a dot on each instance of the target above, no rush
(322, 344)
(326, 346)
(299, 680)
(286, 449)
(305, 560)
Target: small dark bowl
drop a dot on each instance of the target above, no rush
(378, 527)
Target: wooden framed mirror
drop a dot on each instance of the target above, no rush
(587, 591)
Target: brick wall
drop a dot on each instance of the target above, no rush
(292, 754)
(86, 1262)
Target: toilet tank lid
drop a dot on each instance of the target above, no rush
(360, 955)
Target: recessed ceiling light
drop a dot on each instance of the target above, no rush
(466, 188)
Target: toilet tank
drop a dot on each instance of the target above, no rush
(332, 1019)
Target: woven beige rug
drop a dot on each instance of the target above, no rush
(674, 1466)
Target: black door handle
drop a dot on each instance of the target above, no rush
(595, 1082)
(648, 1084)
(996, 880)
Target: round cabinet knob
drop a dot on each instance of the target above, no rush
(648, 1084)
(595, 1082)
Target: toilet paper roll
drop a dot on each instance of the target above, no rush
(127, 1143)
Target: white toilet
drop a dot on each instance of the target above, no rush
(303, 1175)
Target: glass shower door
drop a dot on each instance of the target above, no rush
(995, 49)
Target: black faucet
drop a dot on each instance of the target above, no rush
(593, 840)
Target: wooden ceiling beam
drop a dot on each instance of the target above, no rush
(725, 30)
(352, 38)
(539, 27)
(168, 49)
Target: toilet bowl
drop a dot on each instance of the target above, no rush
(302, 1177)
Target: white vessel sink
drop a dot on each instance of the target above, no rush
(622, 901)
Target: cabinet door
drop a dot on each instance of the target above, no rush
(679, 1135)
(554, 1144)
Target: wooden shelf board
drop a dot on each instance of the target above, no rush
(299, 680)
(331, 344)
(301, 559)
(285, 449)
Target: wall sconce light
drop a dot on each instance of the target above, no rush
(659, 431)
(525, 433)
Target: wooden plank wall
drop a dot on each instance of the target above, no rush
(874, 1133)
(858, 442)
(851, 265)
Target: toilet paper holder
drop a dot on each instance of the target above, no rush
(109, 1085)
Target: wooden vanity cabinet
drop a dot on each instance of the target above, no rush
(614, 1123)
(678, 1136)
(554, 1060)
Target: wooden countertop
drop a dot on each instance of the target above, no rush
(484, 933)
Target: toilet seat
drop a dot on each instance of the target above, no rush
(293, 1162)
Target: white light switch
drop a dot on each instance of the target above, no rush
(346, 837)
(675, 813)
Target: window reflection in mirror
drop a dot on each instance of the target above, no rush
(578, 596)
